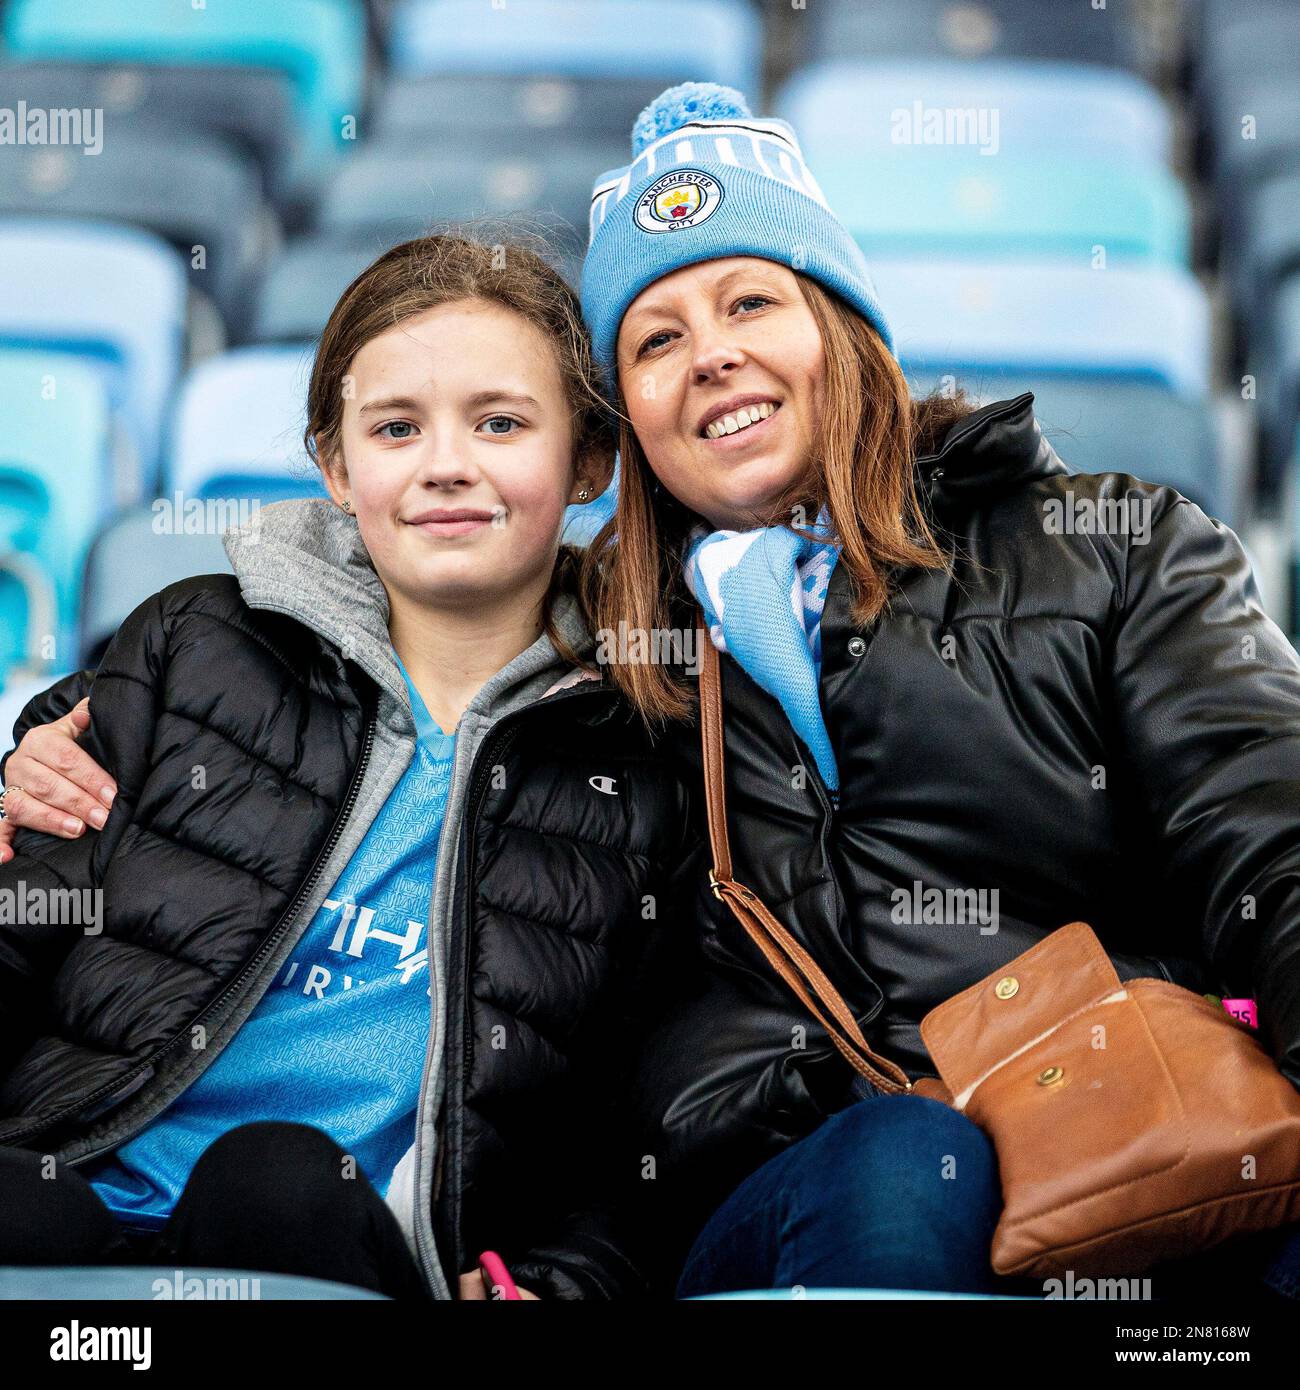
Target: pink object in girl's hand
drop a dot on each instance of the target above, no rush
(1243, 1010)
(496, 1277)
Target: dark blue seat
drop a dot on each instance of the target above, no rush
(461, 106)
(192, 190)
(307, 277)
(385, 189)
(250, 109)
(1058, 29)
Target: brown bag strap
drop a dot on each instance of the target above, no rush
(785, 955)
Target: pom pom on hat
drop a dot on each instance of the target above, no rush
(691, 101)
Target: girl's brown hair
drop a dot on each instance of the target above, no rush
(442, 269)
(860, 468)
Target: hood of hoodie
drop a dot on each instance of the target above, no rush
(306, 559)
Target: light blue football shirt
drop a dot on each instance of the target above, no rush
(339, 1038)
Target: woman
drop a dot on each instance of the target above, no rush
(381, 864)
(1067, 723)
(958, 695)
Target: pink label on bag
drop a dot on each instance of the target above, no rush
(1243, 1010)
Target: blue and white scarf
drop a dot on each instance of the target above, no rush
(763, 592)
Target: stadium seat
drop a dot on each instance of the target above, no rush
(135, 179)
(1150, 323)
(306, 279)
(28, 609)
(1242, 164)
(463, 106)
(384, 191)
(111, 295)
(148, 1283)
(950, 201)
(1103, 426)
(1042, 109)
(319, 44)
(303, 284)
(852, 1295)
(1277, 363)
(1056, 29)
(55, 485)
(250, 109)
(238, 428)
(132, 557)
(1267, 249)
(688, 40)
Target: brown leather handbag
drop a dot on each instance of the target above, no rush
(1134, 1122)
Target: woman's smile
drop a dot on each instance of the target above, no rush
(740, 426)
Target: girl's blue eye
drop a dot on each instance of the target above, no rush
(397, 425)
(500, 420)
(650, 342)
(753, 299)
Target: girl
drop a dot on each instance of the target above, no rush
(380, 867)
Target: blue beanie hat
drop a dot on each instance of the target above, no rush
(707, 180)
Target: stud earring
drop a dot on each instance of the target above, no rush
(583, 494)
(347, 505)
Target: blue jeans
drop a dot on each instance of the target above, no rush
(901, 1192)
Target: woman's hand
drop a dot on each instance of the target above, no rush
(62, 788)
(472, 1288)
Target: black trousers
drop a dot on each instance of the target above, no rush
(269, 1196)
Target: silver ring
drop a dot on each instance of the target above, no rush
(4, 792)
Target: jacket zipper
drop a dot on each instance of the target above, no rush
(147, 1069)
(458, 957)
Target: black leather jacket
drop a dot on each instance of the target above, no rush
(1090, 726)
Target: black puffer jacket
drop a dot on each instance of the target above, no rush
(1112, 733)
(549, 927)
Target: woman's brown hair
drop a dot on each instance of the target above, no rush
(861, 468)
(444, 268)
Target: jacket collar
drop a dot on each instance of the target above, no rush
(997, 445)
(992, 448)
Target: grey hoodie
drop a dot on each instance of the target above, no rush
(306, 560)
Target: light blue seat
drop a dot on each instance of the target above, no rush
(952, 201)
(110, 295)
(852, 1295)
(1103, 425)
(28, 613)
(319, 44)
(135, 178)
(683, 40)
(55, 485)
(238, 428)
(977, 29)
(1147, 323)
(847, 108)
(133, 556)
(151, 1283)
